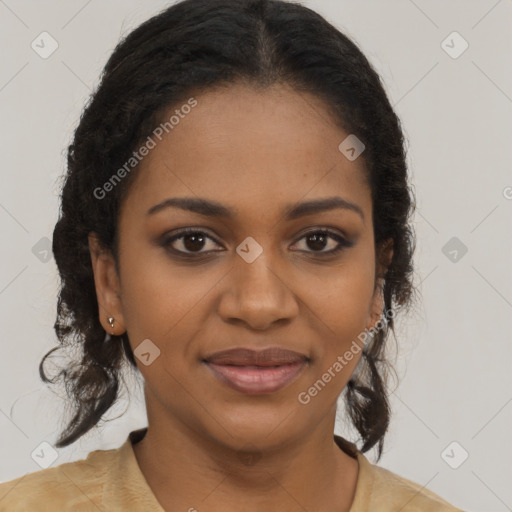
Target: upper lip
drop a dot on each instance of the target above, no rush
(273, 356)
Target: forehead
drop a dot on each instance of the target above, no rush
(240, 146)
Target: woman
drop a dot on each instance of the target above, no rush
(235, 217)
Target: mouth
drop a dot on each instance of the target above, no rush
(256, 372)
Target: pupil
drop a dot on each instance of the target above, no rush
(316, 238)
(192, 247)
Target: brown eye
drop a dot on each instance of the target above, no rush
(190, 241)
(193, 242)
(318, 240)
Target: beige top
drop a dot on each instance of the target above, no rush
(111, 480)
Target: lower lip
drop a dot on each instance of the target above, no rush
(257, 379)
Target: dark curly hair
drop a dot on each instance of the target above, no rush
(189, 47)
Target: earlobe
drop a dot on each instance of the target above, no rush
(107, 287)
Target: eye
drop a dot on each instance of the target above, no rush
(319, 238)
(190, 241)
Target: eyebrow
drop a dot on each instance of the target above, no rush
(210, 208)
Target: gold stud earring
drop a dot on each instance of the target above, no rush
(110, 320)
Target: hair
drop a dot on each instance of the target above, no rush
(194, 46)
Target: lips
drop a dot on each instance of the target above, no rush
(256, 372)
(274, 356)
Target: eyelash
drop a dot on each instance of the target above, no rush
(166, 242)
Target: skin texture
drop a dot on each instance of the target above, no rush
(209, 446)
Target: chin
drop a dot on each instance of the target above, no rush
(264, 427)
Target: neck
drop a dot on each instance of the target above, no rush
(186, 471)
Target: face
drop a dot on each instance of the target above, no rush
(256, 278)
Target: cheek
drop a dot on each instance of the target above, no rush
(347, 311)
(343, 310)
(347, 294)
(161, 300)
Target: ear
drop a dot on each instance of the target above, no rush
(384, 258)
(107, 286)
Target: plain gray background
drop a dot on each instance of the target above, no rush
(454, 359)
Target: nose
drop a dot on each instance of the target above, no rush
(257, 295)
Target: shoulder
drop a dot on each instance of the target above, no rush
(70, 486)
(399, 493)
